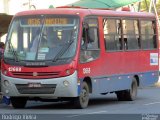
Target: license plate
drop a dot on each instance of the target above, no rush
(34, 85)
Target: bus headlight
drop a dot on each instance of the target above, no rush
(68, 72)
(5, 72)
(7, 91)
(66, 83)
(6, 82)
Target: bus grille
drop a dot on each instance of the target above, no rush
(44, 89)
(38, 74)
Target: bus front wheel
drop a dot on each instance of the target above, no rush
(18, 102)
(83, 99)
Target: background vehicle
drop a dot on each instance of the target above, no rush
(79, 52)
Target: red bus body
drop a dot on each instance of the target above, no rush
(110, 72)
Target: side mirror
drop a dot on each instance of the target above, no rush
(89, 32)
(87, 35)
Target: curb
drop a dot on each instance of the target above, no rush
(158, 83)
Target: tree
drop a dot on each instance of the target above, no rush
(146, 3)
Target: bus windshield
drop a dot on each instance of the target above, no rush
(43, 37)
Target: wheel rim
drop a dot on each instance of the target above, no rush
(84, 97)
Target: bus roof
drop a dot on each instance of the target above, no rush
(85, 12)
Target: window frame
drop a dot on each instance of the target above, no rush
(139, 29)
(116, 35)
(141, 34)
(86, 49)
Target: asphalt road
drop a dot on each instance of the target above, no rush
(146, 106)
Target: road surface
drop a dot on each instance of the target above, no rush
(146, 107)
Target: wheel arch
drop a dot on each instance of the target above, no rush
(137, 79)
(89, 83)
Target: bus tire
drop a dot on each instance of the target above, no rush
(131, 94)
(18, 102)
(128, 95)
(82, 100)
(121, 95)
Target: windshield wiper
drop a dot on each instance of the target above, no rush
(40, 34)
(63, 50)
(13, 51)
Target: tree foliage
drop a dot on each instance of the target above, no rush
(146, 3)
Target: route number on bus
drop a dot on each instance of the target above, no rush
(86, 70)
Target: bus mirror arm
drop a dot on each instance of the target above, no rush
(84, 36)
(85, 25)
(86, 30)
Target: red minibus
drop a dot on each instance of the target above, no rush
(70, 53)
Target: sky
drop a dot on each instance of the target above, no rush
(40, 4)
(15, 6)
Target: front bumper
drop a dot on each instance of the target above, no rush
(60, 89)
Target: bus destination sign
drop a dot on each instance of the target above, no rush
(47, 21)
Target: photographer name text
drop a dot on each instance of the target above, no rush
(18, 117)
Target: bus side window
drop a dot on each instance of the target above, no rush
(119, 31)
(148, 34)
(90, 48)
(130, 35)
(154, 34)
(93, 38)
(137, 32)
(112, 34)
